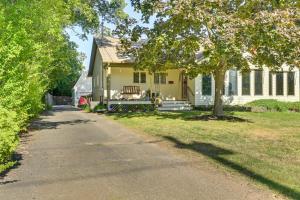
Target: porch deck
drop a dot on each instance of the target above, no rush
(144, 105)
(130, 105)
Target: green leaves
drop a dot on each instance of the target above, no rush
(227, 30)
(8, 137)
(226, 34)
(37, 56)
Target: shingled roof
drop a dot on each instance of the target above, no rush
(108, 48)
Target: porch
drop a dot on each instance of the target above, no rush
(126, 84)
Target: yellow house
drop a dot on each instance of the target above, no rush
(114, 81)
(114, 78)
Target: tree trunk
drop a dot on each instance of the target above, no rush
(219, 76)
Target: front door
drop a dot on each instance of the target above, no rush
(184, 86)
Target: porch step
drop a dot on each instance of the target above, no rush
(175, 106)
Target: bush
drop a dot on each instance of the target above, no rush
(100, 107)
(8, 134)
(226, 108)
(274, 105)
(86, 108)
(294, 106)
(132, 107)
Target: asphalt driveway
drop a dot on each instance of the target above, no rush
(74, 155)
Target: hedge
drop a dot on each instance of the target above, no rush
(275, 106)
(262, 105)
(131, 107)
(226, 108)
(8, 135)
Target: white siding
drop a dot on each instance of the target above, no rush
(242, 99)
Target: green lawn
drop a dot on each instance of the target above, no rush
(265, 148)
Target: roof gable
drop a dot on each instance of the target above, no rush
(108, 49)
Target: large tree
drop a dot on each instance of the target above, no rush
(105, 11)
(213, 36)
(36, 55)
(35, 50)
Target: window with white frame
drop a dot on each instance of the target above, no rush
(232, 87)
(139, 77)
(279, 83)
(258, 82)
(291, 83)
(160, 78)
(206, 85)
(246, 83)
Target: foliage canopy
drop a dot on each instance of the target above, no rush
(213, 36)
(36, 55)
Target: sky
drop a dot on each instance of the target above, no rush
(85, 46)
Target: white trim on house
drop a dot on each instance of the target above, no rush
(111, 71)
(242, 99)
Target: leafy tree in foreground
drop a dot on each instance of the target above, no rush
(213, 36)
(65, 78)
(36, 55)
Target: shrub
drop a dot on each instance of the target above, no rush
(86, 108)
(226, 108)
(8, 134)
(294, 106)
(100, 107)
(132, 107)
(274, 105)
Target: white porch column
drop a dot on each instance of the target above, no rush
(226, 83)
(239, 83)
(212, 87)
(200, 84)
(198, 90)
(265, 82)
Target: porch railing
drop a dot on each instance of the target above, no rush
(131, 90)
(130, 105)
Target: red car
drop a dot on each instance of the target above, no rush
(83, 101)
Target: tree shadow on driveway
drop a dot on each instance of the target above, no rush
(41, 124)
(215, 153)
(16, 160)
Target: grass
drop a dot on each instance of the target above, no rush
(264, 147)
(274, 105)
